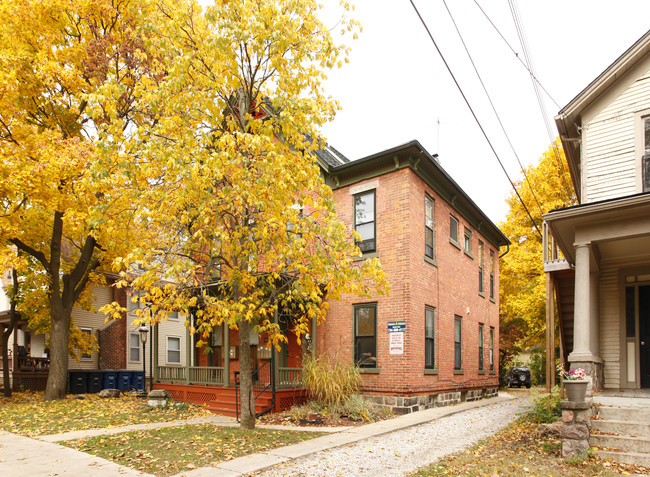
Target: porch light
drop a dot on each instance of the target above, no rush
(143, 337)
(143, 333)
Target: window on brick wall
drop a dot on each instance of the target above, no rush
(480, 346)
(453, 229)
(491, 274)
(491, 348)
(89, 332)
(480, 267)
(134, 347)
(364, 220)
(468, 242)
(429, 247)
(458, 342)
(365, 335)
(429, 337)
(173, 350)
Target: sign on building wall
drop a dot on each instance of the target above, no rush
(396, 330)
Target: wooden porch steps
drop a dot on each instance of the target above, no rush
(622, 434)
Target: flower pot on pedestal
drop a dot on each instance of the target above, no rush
(576, 390)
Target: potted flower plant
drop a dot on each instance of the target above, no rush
(575, 383)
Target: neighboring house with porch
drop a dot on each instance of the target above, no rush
(602, 276)
(119, 342)
(433, 341)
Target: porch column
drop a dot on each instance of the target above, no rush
(155, 345)
(226, 354)
(550, 333)
(188, 350)
(594, 314)
(581, 314)
(275, 358)
(314, 323)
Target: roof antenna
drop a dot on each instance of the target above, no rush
(438, 134)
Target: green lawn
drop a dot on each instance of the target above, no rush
(171, 450)
(27, 414)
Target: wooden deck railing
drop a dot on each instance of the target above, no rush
(552, 255)
(289, 378)
(206, 375)
(171, 373)
(29, 363)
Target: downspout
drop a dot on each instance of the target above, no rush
(506, 252)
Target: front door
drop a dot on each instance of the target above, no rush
(644, 334)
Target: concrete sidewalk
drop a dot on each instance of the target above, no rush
(41, 456)
(25, 457)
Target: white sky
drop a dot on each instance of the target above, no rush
(396, 88)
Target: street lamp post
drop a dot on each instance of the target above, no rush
(143, 337)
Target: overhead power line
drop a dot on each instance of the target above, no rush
(433, 41)
(529, 61)
(517, 55)
(530, 186)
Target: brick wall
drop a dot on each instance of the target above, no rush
(112, 339)
(451, 287)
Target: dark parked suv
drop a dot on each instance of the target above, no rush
(519, 376)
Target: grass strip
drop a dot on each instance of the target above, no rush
(171, 450)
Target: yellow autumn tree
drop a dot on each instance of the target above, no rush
(253, 224)
(521, 276)
(72, 75)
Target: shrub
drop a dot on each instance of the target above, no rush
(356, 407)
(330, 384)
(545, 407)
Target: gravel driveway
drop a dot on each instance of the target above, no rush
(401, 452)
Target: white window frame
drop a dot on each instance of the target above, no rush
(639, 146)
(167, 350)
(85, 356)
(131, 347)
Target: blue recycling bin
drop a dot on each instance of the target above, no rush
(95, 381)
(124, 380)
(110, 379)
(137, 379)
(77, 381)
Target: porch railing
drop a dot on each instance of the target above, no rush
(553, 257)
(171, 373)
(28, 363)
(206, 375)
(289, 378)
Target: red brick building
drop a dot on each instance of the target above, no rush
(434, 340)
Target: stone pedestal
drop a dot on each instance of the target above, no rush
(158, 398)
(576, 418)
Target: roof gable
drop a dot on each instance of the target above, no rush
(569, 118)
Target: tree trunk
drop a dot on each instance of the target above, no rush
(59, 336)
(6, 332)
(247, 400)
